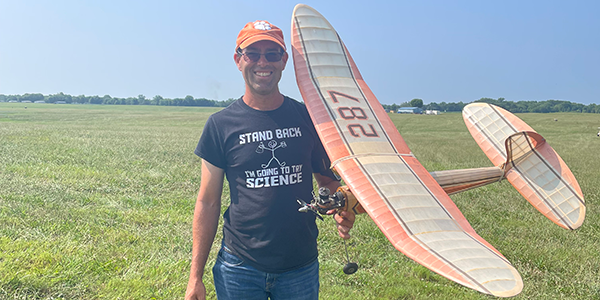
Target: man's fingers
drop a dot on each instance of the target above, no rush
(345, 218)
(345, 221)
(343, 231)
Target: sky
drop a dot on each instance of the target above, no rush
(437, 51)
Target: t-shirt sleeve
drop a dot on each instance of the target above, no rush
(210, 147)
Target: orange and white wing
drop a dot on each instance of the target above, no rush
(533, 167)
(402, 198)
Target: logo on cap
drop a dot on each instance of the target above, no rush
(262, 25)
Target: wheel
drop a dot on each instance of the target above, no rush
(350, 268)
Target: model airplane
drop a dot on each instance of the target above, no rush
(410, 205)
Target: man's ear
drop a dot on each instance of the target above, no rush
(284, 58)
(236, 58)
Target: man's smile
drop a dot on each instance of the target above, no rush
(263, 73)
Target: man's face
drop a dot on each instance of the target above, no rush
(262, 77)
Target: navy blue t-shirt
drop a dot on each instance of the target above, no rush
(268, 158)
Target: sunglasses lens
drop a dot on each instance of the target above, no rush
(273, 56)
(270, 57)
(254, 57)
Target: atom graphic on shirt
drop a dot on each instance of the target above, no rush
(272, 146)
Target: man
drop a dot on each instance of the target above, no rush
(267, 147)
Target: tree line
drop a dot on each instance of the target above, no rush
(107, 99)
(547, 106)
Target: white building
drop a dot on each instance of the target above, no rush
(432, 112)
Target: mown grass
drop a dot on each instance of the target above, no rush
(96, 202)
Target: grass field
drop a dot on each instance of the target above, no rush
(96, 202)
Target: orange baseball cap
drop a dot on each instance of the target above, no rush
(259, 31)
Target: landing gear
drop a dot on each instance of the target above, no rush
(349, 267)
(322, 204)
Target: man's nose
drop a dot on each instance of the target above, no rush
(262, 60)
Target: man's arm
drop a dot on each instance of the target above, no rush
(344, 219)
(204, 229)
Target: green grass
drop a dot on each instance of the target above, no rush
(96, 202)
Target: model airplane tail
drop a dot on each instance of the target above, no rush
(522, 156)
(529, 163)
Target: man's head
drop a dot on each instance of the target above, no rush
(259, 31)
(261, 57)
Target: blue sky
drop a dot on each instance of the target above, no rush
(434, 50)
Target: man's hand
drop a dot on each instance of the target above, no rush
(345, 221)
(195, 290)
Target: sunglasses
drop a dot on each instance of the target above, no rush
(269, 56)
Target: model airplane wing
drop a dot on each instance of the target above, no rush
(402, 198)
(531, 165)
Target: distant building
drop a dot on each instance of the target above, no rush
(13, 101)
(40, 101)
(432, 112)
(409, 110)
(25, 101)
(60, 102)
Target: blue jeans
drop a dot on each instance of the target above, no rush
(236, 280)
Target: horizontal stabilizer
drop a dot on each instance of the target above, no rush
(530, 163)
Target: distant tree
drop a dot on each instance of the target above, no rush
(132, 101)
(592, 108)
(32, 97)
(107, 99)
(226, 102)
(166, 102)
(510, 106)
(188, 101)
(205, 102)
(391, 107)
(80, 99)
(59, 97)
(432, 106)
(444, 106)
(117, 101)
(141, 99)
(156, 100)
(95, 100)
(416, 103)
(177, 102)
